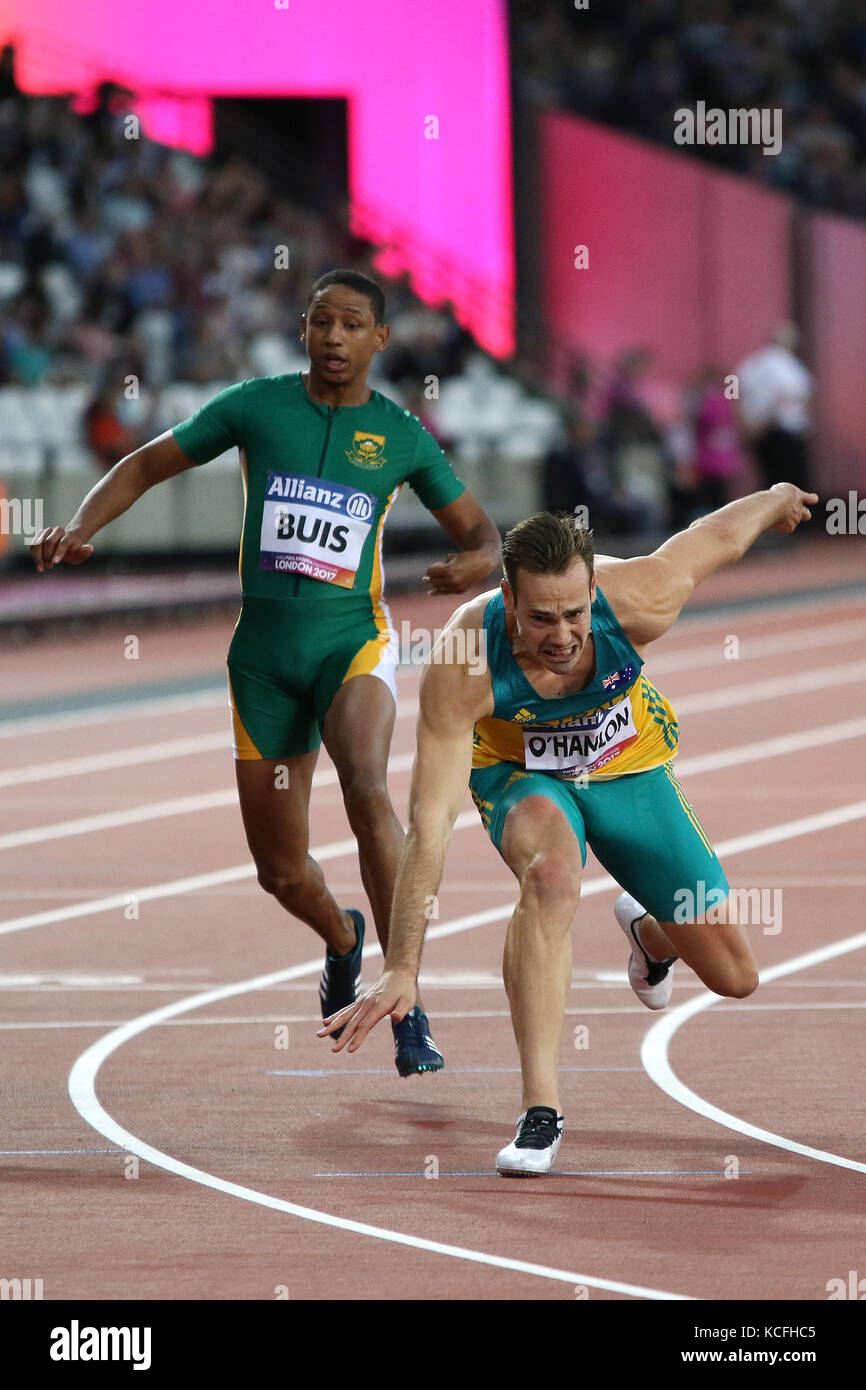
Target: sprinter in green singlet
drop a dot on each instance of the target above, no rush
(323, 457)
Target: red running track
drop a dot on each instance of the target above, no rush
(216, 1163)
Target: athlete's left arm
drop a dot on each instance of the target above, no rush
(647, 594)
(470, 527)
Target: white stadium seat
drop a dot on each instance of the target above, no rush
(16, 421)
(20, 460)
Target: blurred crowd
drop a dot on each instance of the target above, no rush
(119, 256)
(633, 63)
(642, 459)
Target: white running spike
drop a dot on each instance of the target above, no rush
(514, 1162)
(628, 912)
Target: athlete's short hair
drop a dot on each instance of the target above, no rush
(354, 280)
(546, 543)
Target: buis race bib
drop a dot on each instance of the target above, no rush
(582, 746)
(314, 527)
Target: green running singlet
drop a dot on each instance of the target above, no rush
(318, 484)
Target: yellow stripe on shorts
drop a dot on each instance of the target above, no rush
(245, 749)
(688, 808)
(368, 657)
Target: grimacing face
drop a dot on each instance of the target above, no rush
(553, 613)
(341, 335)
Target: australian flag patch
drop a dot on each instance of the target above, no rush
(611, 684)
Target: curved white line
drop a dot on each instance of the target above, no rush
(82, 1077)
(654, 1055)
(82, 1090)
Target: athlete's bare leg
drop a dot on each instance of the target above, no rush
(275, 801)
(540, 847)
(717, 950)
(357, 734)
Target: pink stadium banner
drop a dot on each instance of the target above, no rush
(698, 265)
(837, 331)
(427, 89)
(687, 260)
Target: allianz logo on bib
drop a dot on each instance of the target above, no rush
(297, 488)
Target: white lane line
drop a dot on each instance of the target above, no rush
(117, 901)
(139, 753)
(654, 1055)
(116, 820)
(101, 989)
(259, 1020)
(151, 706)
(712, 654)
(776, 688)
(82, 1078)
(196, 883)
(770, 747)
(805, 825)
(161, 810)
(466, 820)
(110, 713)
(135, 756)
(555, 1173)
(402, 762)
(40, 1153)
(82, 1081)
(156, 705)
(692, 659)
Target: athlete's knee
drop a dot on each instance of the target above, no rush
(282, 878)
(366, 798)
(552, 879)
(733, 979)
(741, 980)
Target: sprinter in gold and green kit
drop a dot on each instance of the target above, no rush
(312, 659)
(568, 746)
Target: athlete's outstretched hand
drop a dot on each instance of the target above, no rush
(797, 504)
(393, 993)
(54, 544)
(458, 572)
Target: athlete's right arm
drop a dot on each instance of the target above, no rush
(153, 463)
(648, 593)
(453, 697)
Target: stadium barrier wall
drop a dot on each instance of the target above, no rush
(699, 265)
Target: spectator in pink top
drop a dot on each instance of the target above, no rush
(717, 454)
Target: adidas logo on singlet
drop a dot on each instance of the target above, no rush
(523, 716)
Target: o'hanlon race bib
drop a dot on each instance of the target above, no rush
(314, 527)
(583, 746)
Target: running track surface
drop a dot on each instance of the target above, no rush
(175, 1130)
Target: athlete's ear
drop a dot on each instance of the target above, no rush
(302, 333)
(383, 333)
(593, 588)
(507, 594)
